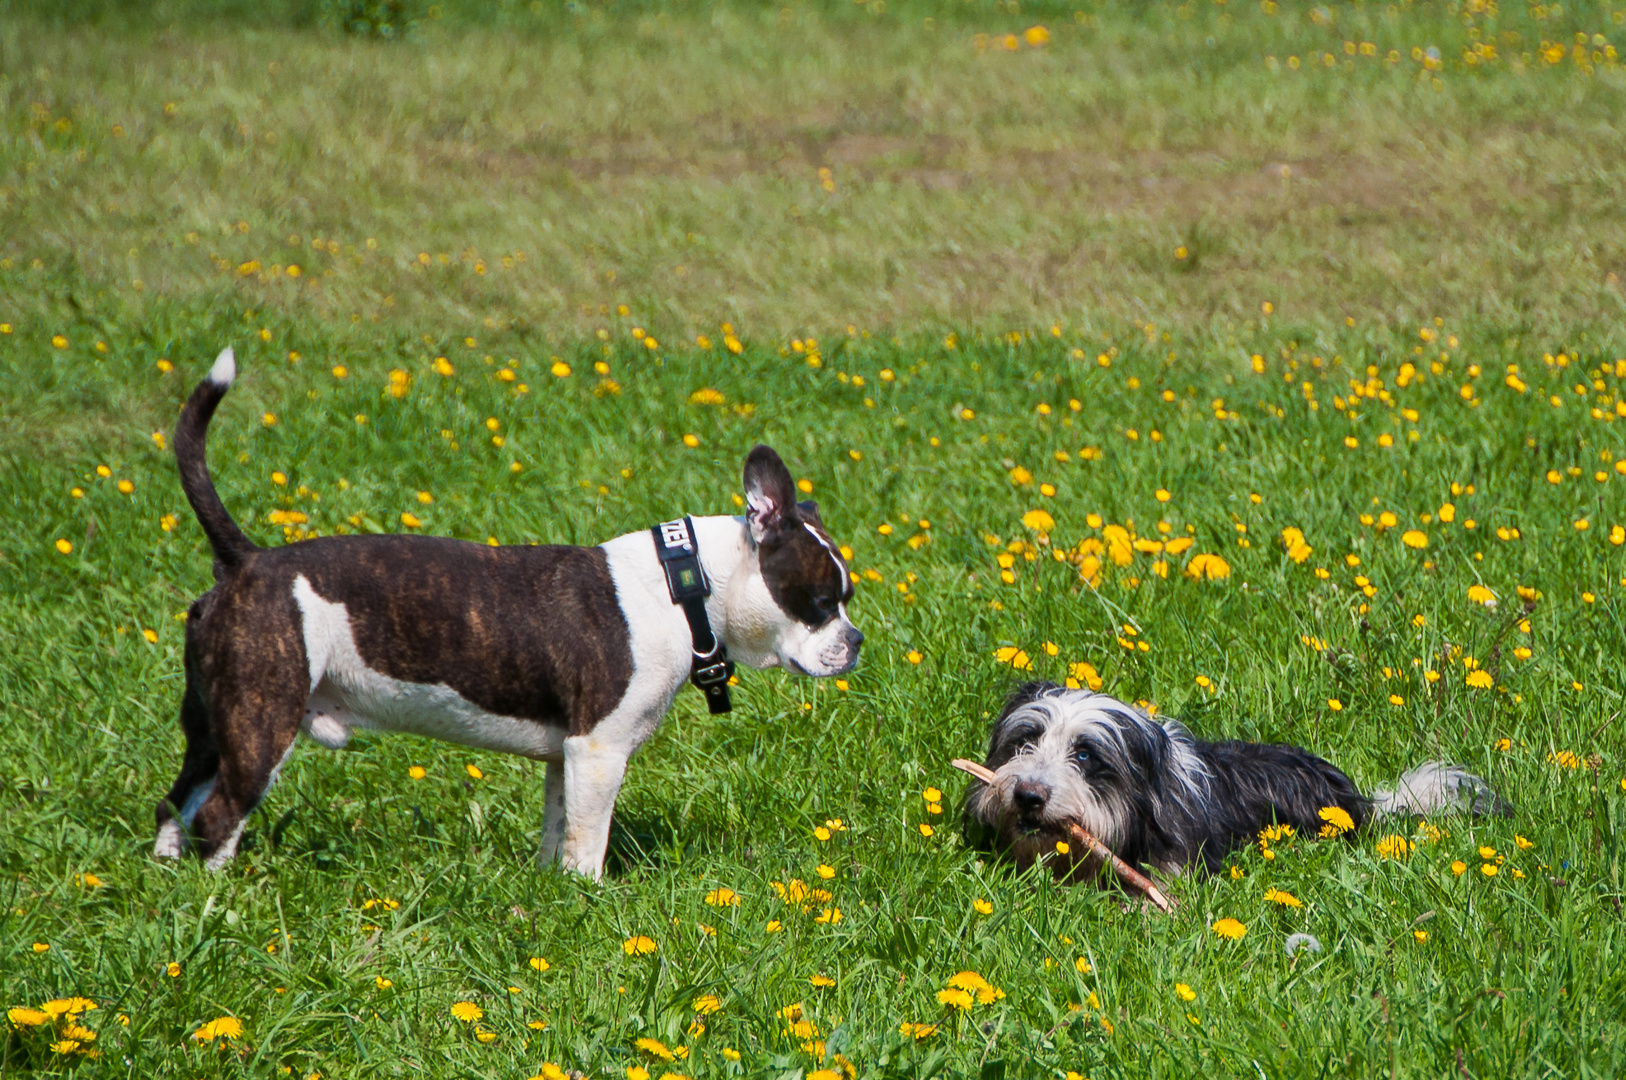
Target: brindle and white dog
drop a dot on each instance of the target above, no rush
(1159, 797)
(568, 655)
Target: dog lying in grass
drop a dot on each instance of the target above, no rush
(1157, 796)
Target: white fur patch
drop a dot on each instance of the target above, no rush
(227, 850)
(224, 370)
(171, 840)
(1433, 787)
(346, 693)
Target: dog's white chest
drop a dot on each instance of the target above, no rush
(345, 693)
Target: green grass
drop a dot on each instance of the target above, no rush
(1518, 975)
(667, 155)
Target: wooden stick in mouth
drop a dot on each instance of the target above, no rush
(1126, 873)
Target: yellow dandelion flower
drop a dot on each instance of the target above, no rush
(655, 1048)
(639, 946)
(1184, 992)
(225, 1027)
(1229, 928)
(982, 907)
(1394, 847)
(1337, 821)
(1013, 656)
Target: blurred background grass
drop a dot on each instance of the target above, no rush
(797, 168)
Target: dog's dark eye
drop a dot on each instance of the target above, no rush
(1081, 755)
(1023, 738)
(826, 606)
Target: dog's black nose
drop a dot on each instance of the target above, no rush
(1030, 797)
(855, 638)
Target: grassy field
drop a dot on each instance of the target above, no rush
(1278, 384)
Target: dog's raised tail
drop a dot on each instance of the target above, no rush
(229, 542)
(1434, 786)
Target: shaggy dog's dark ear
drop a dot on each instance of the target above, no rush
(1025, 694)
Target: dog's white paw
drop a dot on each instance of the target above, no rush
(171, 842)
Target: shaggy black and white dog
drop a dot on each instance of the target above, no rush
(1157, 796)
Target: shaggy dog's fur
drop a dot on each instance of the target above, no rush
(1159, 797)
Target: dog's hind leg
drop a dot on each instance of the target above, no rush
(553, 814)
(250, 760)
(254, 714)
(198, 769)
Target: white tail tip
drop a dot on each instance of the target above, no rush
(225, 369)
(1434, 787)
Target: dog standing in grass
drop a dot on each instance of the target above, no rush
(1156, 796)
(568, 655)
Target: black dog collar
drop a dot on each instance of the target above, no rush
(710, 668)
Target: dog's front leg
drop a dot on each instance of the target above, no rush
(553, 814)
(593, 772)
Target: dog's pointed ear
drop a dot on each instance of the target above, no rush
(770, 494)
